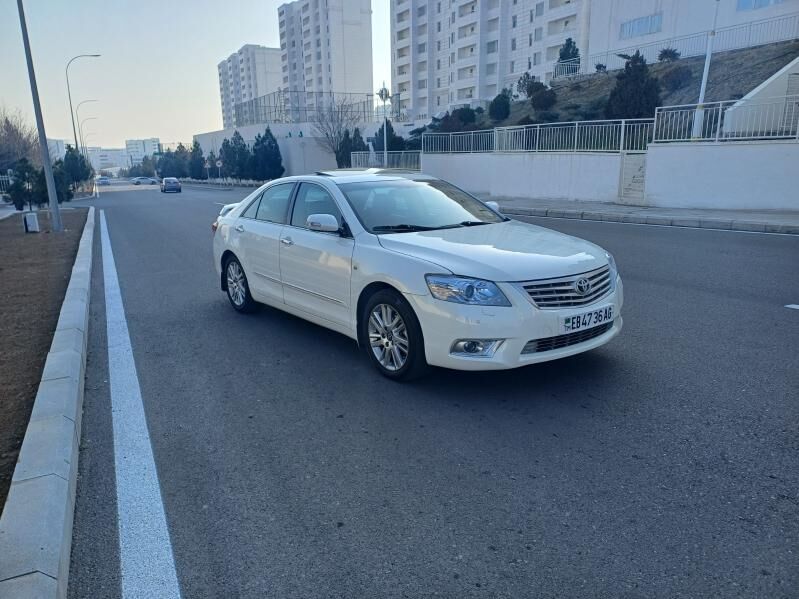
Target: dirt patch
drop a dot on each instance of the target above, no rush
(34, 274)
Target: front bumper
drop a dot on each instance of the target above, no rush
(444, 322)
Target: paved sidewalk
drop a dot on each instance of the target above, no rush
(764, 221)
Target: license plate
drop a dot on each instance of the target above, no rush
(587, 320)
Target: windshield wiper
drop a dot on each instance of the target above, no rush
(465, 223)
(402, 227)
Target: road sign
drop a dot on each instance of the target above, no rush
(218, 164)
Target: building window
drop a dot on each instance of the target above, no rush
(421, 11)
(537, 58)
(491, 47)
(438, 45)
(513, 44)
(422, 48)
(755, 4)
(513, 21)
(538, 34)
(539, 9)
(438, 27)
(531, 15)
(491, 69)
(641, 26)
(529, 39)
(512, 66)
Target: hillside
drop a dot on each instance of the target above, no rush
(732, 75)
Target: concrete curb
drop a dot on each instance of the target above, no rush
(643, 219)
(36, 525)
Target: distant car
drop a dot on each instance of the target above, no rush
(170, 184)
(144, 181)
(103, 180)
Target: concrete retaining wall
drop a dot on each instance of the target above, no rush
(36, 526)
(748, 176)
(551, 175)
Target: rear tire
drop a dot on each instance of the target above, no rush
(238, 290)
(391, 336)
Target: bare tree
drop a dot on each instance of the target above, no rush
(339, 114)
(18, 139)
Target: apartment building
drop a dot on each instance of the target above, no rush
(108, 158)
(137, 149)
(326, 46)
(450, 53)
(251, 72)
(57, 148)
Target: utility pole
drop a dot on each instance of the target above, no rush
(699, 114)
(55, 213)
(384, 95)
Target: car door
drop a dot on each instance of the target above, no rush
(259, 229)
(316, 267)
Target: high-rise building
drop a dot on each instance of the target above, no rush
(57, 149)
(137, 149)
(446, 54)
(326, 46)
(251, 72)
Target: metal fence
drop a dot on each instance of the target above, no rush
(408, 160)
(734, 120)
(629, 135)
(5, 182)
(755, 33)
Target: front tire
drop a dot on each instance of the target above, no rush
(238, 290)
(392, 337)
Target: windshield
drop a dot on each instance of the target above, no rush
(402, 205)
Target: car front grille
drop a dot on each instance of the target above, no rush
(548, 344)
(562, 292)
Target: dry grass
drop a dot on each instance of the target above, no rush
(34, 273)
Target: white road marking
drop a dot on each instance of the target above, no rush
(147, 563)
(793, 306)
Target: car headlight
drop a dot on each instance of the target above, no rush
(613, 270)
(464, 290)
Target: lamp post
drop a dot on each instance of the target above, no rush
(80, 130)
(69, 92)
(52, 196)
(384, 95)
(699, 115)
(77, 114)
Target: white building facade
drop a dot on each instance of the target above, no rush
(107, 158)
(326, 46)
(451, 53)
(137, 149)
(57, 149)
(251, 72)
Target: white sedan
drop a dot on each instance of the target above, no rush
(417, 271)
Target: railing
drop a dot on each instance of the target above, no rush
(734, 120)
(754, 33)
(5, 183)
(464, 141)
(407, 160)
(629, 135)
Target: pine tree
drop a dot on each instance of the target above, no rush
(636, 94)
(395, 142)
(196, 162)
(358, 144)
(568, 51)
(274, 161)
(344, 151)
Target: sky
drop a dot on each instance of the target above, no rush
(157, 74)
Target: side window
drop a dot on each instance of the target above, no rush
(252, 209)
(275, 203)
(313, 199)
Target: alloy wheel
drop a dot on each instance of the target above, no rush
(388, 337)
(236, 284)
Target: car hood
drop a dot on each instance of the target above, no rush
(507, 251)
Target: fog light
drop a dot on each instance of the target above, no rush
(475, 348)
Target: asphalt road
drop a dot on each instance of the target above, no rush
(661, 465)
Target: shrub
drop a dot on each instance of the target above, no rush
(675, 78)
(544, 99)
(572, 107)
(601, 68)
(637, 92)
(669, 55)
(499, 109)
(479, 110)
(598, 103)
(465, 115)
(548, 116)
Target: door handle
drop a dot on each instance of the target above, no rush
(286, 241)
(240, 228)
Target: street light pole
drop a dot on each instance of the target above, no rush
(80, 130)
(384, 95)
(69, 93)
(55, 213)
(699, 114)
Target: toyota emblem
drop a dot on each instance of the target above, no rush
(582, 286)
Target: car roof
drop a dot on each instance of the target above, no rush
(359, 175)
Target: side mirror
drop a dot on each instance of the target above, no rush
(494, 206)
(325, 223)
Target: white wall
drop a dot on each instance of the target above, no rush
(553, 175)
(749, 176)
